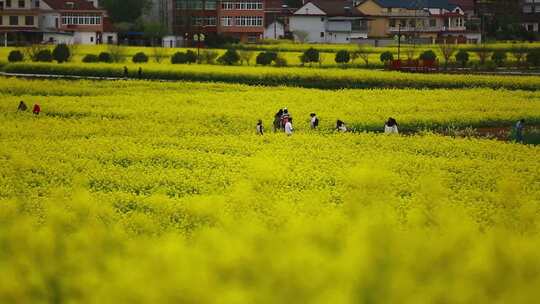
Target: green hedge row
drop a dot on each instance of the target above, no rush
(301, 77)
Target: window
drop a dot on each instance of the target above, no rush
(432, 22)
(322, 19)
(1, 19)
(81, 19)
(91, 39)
(22, 3)
(248, 21)
(37, 4)
(29, 20)
(527, 9)
(322, 34)
(8, 3)
(227, 21)
(537, 9)
(392, 23)
(227, 5)
(13, 20)
(210, 5)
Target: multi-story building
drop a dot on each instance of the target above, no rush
(54, 21)
(328, 21)
(421, 20)
(241, 19)
(530, 15)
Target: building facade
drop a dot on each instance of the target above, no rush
(54, 21)
(328, 21)
(241, 19)
(530, 15)
(426, 21)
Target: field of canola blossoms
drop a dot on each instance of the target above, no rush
(142, 192)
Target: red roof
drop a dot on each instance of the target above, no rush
(77, 5)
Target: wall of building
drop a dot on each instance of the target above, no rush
(275, 30)
(312, 25)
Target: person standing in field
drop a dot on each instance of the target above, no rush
(22, 106)
(285, 116)
(288, 127)
(277, 120)
(520, 125)
(37, 109)
(260, 128)
(341, 126)
(314, 121)
(126, 72)
(139, 73)
(391, 126)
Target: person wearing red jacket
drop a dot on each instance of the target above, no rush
(36, 109)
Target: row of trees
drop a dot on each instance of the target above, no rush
(61, 53)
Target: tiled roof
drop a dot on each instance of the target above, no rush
(77, 5)
(334, 8)
(411, 4)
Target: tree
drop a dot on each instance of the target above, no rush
(386, 57)
(363, 53)
(519, 53)
(246, 56)
(301, 36)
(140, 57)
(447, 51)
(462, 57)
(483, 53)
(209, 56)
(126, 10)
(342, 57)
(191, 56)
(428, 55)
(105, 57)
(31, 51)
(499, 56)
(265, 58)
(230, 57)
(309, 56)
(44, 56)
(179, 57)
(159, 53)
(61, 53)
(533, 57)
(15, 56)
(155, 32)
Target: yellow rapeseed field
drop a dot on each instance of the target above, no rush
(147, 192)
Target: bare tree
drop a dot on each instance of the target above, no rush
(245, 56)
(363, 53)
(301, 36)
(118, 52)
(483, 53)
(32, 50)
(159, 53)
(410, 52)
(447, 50)
(519, 52)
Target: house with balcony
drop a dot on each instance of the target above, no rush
(54, 21)
(426, 21)
(241, 19)
(328, 21)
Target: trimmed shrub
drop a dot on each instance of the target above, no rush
(428, 55)
(309, 56)
(191, 56)
(179, 58)
(140, 57)
(15, 56)
(280, 61)
(209, 56)
(230, 57)
(499, 57)
(90, 58)
(61, 53)
(462, 57)
(386, 57)
(105, 57)
(343, 57)
(533, 57)
(266, 58)
(44, 56)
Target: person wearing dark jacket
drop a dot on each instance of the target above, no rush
(22, 106)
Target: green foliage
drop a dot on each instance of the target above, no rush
(280, 61)
(140, 57)
(266, 58)
(126, 11)
(386, 57)
(15, 56)
(499, 57)
(105, 57)
(428, 55)
(533, 57)
(90, 58)
(191, 56)
(230, 57)
(44, 56)
(61, 53)
(309, 56)
(184, 57)
(209, 56)
(342, 57)
(462, 57)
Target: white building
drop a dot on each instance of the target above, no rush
(328, 21)
(274, 30)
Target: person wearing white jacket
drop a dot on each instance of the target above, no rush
(288, 127)
(391, 126)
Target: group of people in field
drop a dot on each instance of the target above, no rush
(36, 109)
(283, 122)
